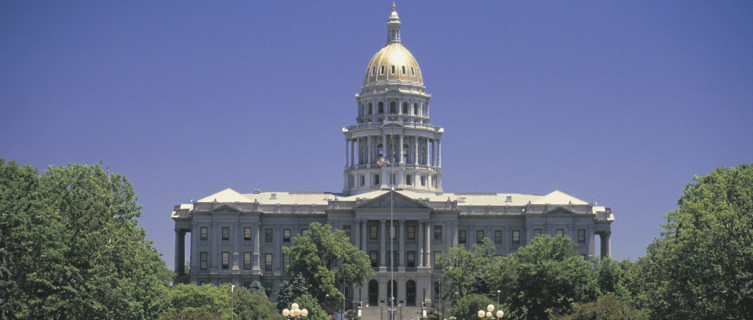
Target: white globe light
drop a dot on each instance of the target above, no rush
(481, 314)
(304, 312)
(490, 308)
(285, 312)
(488, 314)
(296, 312)
(500, 313)
(294, 306)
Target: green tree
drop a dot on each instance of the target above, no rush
(316, 312)
(253, 306)
(192, 297)
(199, 314)
(465, 271)
(543, 278)
(290, 290)
(702, 267)
(605, 308)
(612, 278)
(328, 262)
(74, 248)
(468, 306)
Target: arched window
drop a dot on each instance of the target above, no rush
(374, 293)
(410, 293)
(381, 107)
(393, 107)
(415, 108)
(405, 108)
(371, 108)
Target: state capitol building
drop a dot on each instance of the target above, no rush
(392, 175)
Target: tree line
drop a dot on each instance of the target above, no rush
(70, 248)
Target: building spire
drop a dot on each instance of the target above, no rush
(393, 26)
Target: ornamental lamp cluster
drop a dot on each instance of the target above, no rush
(295, 312)
(490, 314)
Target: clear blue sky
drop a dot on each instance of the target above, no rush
(619, 102)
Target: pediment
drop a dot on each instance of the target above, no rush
(561, 211)
(225, 208)
(398, 200)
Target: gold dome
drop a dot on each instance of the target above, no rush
(393, 63)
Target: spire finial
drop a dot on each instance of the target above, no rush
(393, 26)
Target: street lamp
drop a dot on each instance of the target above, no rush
(295, 312)
(489, 313)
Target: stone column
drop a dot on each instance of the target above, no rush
(605, 244)
(364, 231)
(214, 261)
(427, 261)
(368, 152)
(402, 246)
(180, 252)
(590, 242)
(428, 161)
(357, 234)
(400, 150)
(420, 243)
(352, 152)
(346, 152)
(439, 153)
(256, 267)
(415, 151)
(382, 237)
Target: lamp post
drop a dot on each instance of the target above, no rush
(490, 314)
(295, 312)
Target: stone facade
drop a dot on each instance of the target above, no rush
(392, 206)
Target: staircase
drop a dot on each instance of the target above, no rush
(381, 313)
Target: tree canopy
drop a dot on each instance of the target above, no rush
(702, 267)
(328, 262)
(544, 278)
(72, 247)
(465, 271)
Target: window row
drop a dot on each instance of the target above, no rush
(515, 235)
(406, 109)
(403, 70)
(247, 262)
(247, 234)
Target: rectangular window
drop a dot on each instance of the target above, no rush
(285, 235)
(403, 69)
(225, 259)
(285, 262)
(411, 259)
(303, 231)
(435, 258)
(581, 235)
(268, 262)
(559, 232)
(437, 232)
(408, 179)
(412, 71)
(516, 236)
(381, 70)
(373, 71)
(346, 229)
(376, 179)
(461, 236)
(203, 260)
(536, 232)
(423, 181)
(479, 236)
(410, 232)
(393, 69)
(362, 180)
(268, 235)
(247, 233)
(225, 233)
(497, 236)
(374, 257)
(247, 260)
(373, 232)
(204, 231)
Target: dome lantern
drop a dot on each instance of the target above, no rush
(393, 26)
